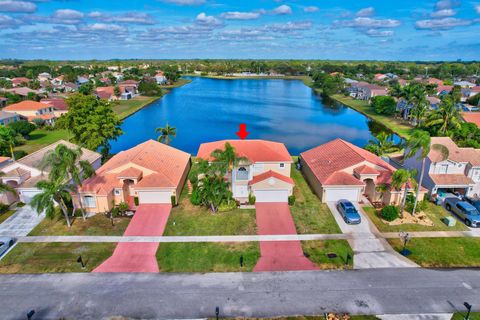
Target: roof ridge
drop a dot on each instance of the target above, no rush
(38, 151)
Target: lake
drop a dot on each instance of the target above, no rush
(280, 110)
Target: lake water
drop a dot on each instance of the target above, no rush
(280, 110)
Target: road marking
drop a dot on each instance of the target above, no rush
(466, 285)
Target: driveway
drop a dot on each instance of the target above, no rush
(149, 220)
(371, 250)
(21, 222)
(275, 218)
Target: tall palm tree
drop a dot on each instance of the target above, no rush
(66, 165)
(228, 156)
(382, 144)
(166, 133)
(420, 105)
(447, 115)
(52, 192)
(418, 144)
(403, 178)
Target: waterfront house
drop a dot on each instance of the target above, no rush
(33, 110)
(365, 91)
(459, 172)
(25, 173)
(265, 172)
(8, 117)
(160, 78)
(149, 173)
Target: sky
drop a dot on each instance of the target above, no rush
(236, 29)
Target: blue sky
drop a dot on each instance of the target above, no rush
(184, 29)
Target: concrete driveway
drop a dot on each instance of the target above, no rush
(21, 222)
(371, 250)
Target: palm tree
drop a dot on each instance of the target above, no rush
(166, 133)
(52, 192)
(228, 157)
(420, 105)
(446, 115)
(403, 178)
(382, 144)
(5, 187)
(66, 165)
(381, 188)
(419, 143)
(213, 190)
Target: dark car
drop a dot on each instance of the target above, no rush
(348, 212)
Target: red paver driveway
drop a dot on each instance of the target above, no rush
(275, 218)
(149, 220)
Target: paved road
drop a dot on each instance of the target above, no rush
(264, 294)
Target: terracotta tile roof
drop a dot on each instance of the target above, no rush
(451, 179)
(442, 88)
(104, 95)
(337, 155)
(109, 89)
(128, 83)
(271, 174)
(130, 173)
(20, 80)
(341, 178)
(23, 91)
(57, 103)
(26, 105)
(457, 154)
(2, 159)
(167, 164)
(366, 170)
(254, 150)
(472, 117)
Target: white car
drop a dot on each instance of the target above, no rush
(5, 244)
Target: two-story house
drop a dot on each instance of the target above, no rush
(459, 172)
(8, 117)
(265, 173)
(33, 110)
(365, 91)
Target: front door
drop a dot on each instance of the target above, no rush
(240, 192)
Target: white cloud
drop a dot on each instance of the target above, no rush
(102, 27)
(442, 24)
(477, 8)
(283, 9)
(289, 26)
(443, 13)
(366, 22)
(366, 12)
(446, 4)
(379, 33)
(17, 6)
(205, 20)
(236, 15)
(8, 22)
(185, 2)
(67, 16)
(128, 17)
(311, 9)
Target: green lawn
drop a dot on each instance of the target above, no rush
(55, 257)
(317, 250)
(310, 318)
(98, 225)
(180, 82)
(442, 252)
(461, 316)
(309, 214)
(41, 138)
(193, 220)
(4, 216)
(434, 212)
(398, 126)
(207, 257)
(125, 108)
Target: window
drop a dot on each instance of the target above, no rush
(443, 168)
(282, 165)
(89, 202)
(242, 173)
(117, 192)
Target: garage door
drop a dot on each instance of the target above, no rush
(27, 196)
(337, 194)
(154, 197)
(271, 195)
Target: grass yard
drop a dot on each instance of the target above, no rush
(4, 216)
(398, 126)
(442, 252)
(207, 257)
(193, 220)
(309, 214)
(434, 212)
(461, 316)
(310, 318)
(125, 108)
(98, 225)
(180, 82)
(317, 252)
(55, 257)
(41, 138)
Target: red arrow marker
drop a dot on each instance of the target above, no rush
(242, 132)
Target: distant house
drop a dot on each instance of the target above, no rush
(472, 117)
(22, 91)
(8, 117)
(128, 88)
(82, 79)
(44, 76)
(33, 110)
(467, 93)
(402, 82)
(436, 81)
(160, 78)
(18, 82)
(58, 81)
(443, 89)
(464, 84)
(380, 77)
(59, 105)
(70, 87)
(106, 93)
(25, 173)
(434, 102)
(106, 80)
(365, 91)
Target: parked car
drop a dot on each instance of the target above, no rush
(474, 202)
(5, 244)
(464, 210)
(348, 212)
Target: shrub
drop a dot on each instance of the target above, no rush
(173, 200)
(39, 122)
(389, 213)
(291, 200)
(421, 206)
(3, 208)
(135, 200)
(19, 154)
(251, 199)
(195, 198)
(22, 127)
(384, 105)
(123, 207)
(227, 206)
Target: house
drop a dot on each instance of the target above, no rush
(82, 79)
(265, 174)
(340, 170)
(434, 102)
(365, 91)
(25, 173)
(472, 117)
(22, 91)
(70, 87)
(442, 90)
(59, 105)
(107, 93)
(33, 110)
(44, 76)
(469, 92)
(58, 81)
(20, 81)
(380, 77)
(160, 78)
(460, 172)
(149, 173)
(464, 84)
(402, 82)
(8, 117)
(128, 87)
(436, 81)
